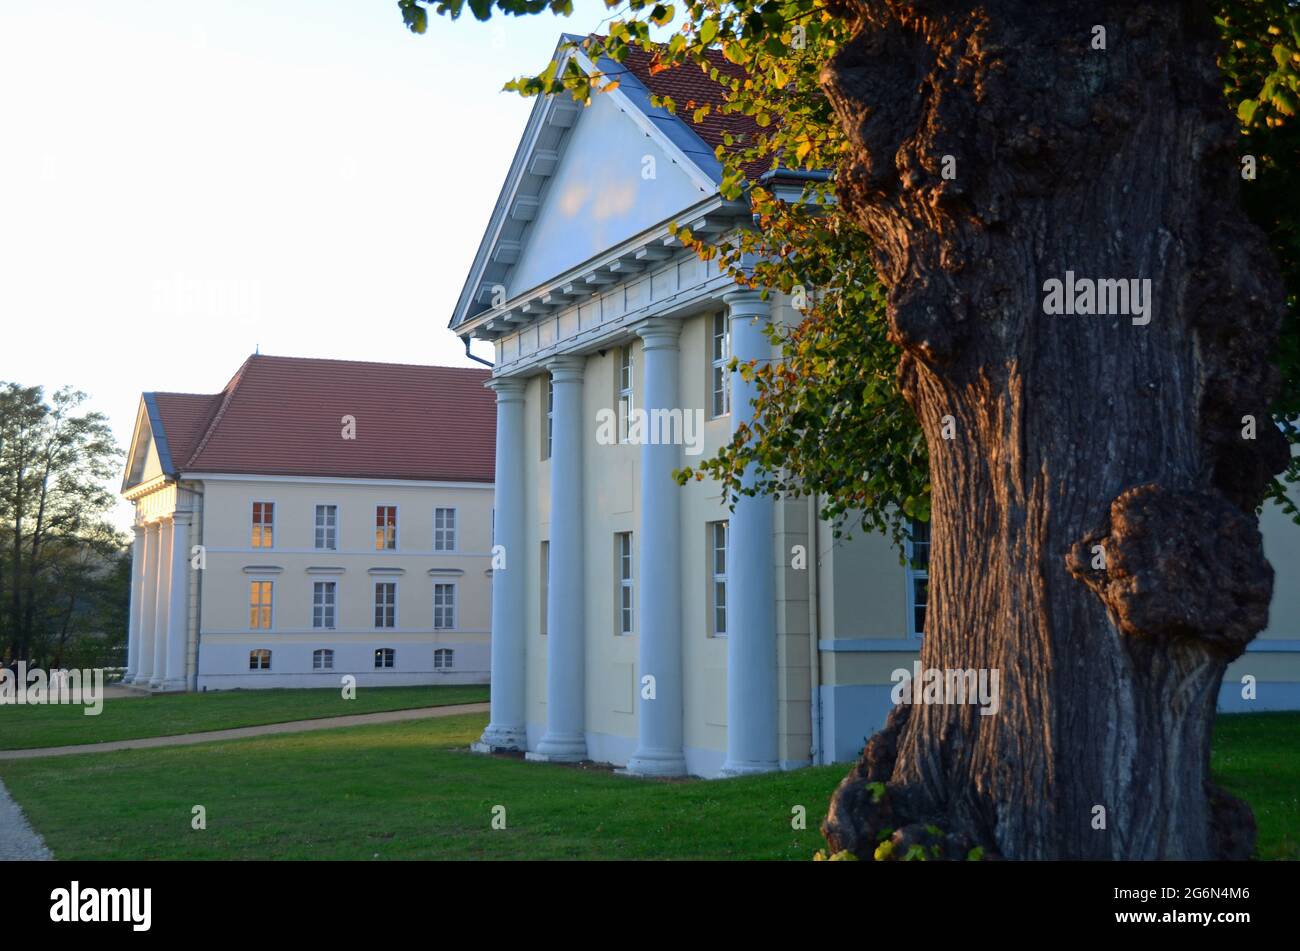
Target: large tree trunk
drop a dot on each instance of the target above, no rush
(1067, 431)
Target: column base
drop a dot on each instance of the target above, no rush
(173, 686)
(749, 768)
(559, 749)
(656, 763)
(501, 739)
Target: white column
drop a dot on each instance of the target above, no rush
(507, 730)
(178, 614)
(162, 602)
(564, 740)
(751, 596)
(148, 606)
(137, 592)
(659, 587)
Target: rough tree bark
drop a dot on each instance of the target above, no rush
(1070, 431)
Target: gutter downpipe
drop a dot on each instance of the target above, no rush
(814, 636)
(486, 363)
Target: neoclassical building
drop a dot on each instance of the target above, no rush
(316, 518)
(637, 622)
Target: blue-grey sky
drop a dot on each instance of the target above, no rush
(181, 183)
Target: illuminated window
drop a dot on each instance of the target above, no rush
(263, 524)
(385, 527)
(259, 605)
(259, 659)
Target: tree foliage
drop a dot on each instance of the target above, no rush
(830, 418)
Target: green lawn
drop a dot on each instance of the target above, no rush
(128, 718)
(410, 791)
(1256, 757)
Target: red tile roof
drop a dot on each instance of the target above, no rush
(690, 87)
(283, 416)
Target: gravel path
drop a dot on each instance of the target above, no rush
(18, 840)
(269, 729)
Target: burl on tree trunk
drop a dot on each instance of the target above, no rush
(1122, 428)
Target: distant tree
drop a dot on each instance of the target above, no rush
(57, 546)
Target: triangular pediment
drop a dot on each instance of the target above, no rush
(143, 461)
(584, 180)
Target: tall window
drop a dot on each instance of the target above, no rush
(718, 578)
(322, 604)
(259, 659)
(385, 527)
(327, 519)
(385, 604)
(443, 658)
(721, 355)
(444, 529)
(550, 414)
(444, 607)
(263, 524)
(624, 391)
(385, 658)
(918, 574)
(623, 556)
(259, 605)
(545, 587)
(322, 659)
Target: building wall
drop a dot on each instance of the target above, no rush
(293, 565)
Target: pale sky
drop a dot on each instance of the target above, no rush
(181, 183)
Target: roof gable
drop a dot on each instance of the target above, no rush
(576, 185)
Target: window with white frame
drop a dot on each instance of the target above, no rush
(720, 356)
(259, 659)
(624, 391)
(623, 559)
(385, 658)
(263, 524)
(918, 574)
(322, 659)
(327, 520)
(259, 605)
(718, 578)
(444, 529)
(322, 603)
(443, 658)
(385, 527)
(385, 604)
(550, 414)
(444, 606)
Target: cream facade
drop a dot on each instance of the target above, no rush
(641, 623)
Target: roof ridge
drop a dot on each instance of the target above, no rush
(229, 395)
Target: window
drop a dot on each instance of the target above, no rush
(444, 529)
(385, 604)
(442, 658)
(444, 607)
(918, 575)
(550, 415)
(259, 659)
(263, 524)
(721, 356)
(718, 584)
(624, 391)
(385, 658)
(545, 588)
(322, 660)
(327, 518)
(322, 604)
(259, 605)
(385, 527)
(623, 556)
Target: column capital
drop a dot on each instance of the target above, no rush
(567, 368)
(140, 529)
(659, 333)
(182, 518)
(509, 389)
(746, 302)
